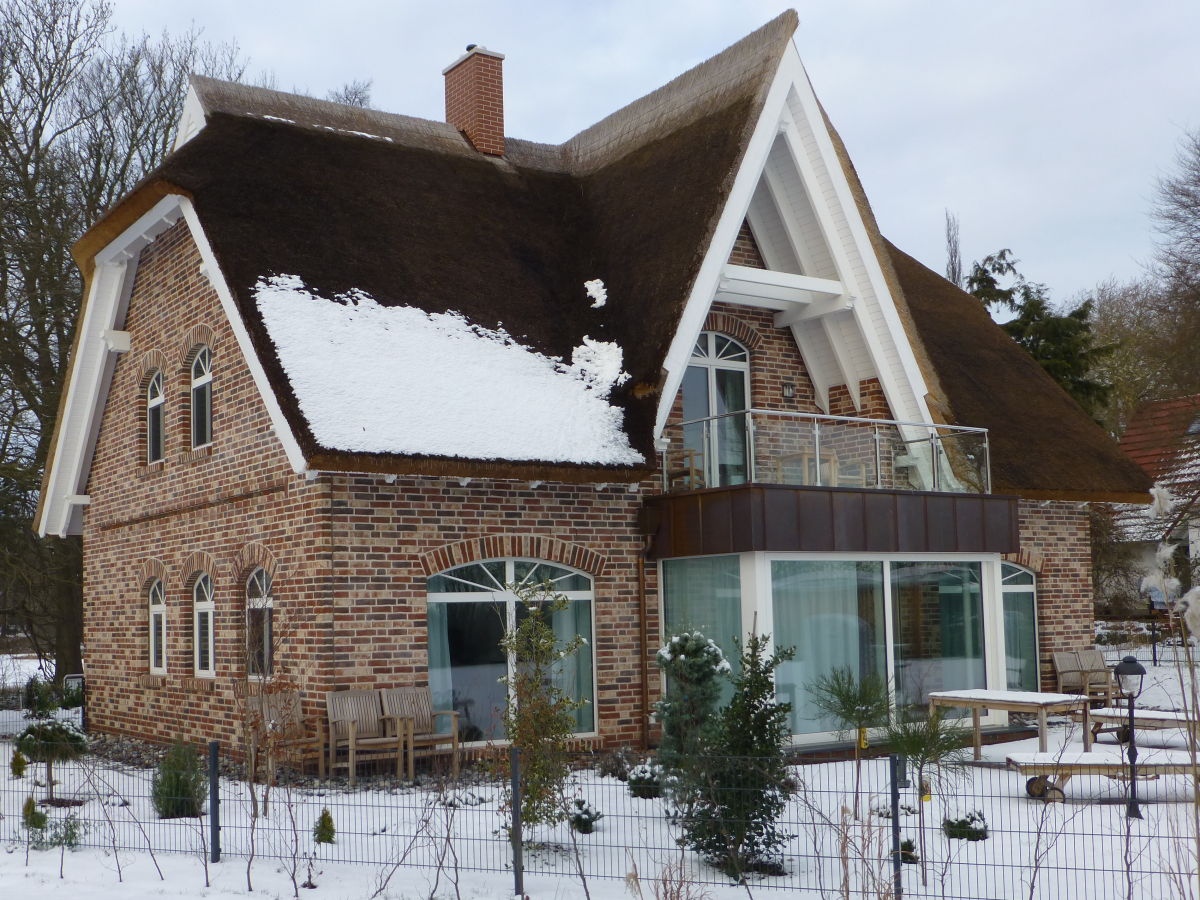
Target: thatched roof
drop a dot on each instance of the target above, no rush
(1043, 445)
(405, 210)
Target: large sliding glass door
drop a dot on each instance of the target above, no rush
(470, 608)
(920, 625)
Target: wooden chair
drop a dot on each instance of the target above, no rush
(414, 707)
(685, 466)
(275, 726)
(357, 722)
(1086, 672)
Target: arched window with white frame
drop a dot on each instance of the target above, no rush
(1018, 586)
(158, 628)
(155, 401)
(716, 386)
(201, 398)
(470, 609)
(203, 637)
(260, 625)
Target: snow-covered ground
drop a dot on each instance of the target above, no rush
(16, 670)
(1079, 846)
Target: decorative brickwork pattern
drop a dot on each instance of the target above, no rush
(196, 337)
(152, 570)
(498, 546)
(199, 563)
(254, 556)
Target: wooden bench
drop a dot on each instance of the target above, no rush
(413, 707)
(1086, 672)
(1051, 771)
(358, 723)
(276, 729)
(1115, 720)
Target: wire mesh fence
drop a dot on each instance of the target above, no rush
(969, 832)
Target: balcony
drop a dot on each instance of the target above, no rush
(763, 446)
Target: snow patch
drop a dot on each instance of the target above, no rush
(597, 291)
(377, 379)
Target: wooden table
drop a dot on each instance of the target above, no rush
(977, 700)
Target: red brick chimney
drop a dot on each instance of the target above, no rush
(475, 98)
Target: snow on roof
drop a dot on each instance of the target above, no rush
(396, 379)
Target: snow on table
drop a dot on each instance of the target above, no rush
(1026, 698)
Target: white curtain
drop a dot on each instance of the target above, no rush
(441, 684)
(832, 613)
(574, 674)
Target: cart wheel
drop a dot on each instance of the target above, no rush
(1055, 795)
(1122, 734)
(1036, 787)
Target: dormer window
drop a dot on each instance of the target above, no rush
(155, 398)
(202, 398)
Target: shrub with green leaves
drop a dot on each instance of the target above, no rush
(180, 783)
(735, 822)
(583, 817)
(39, 699)
(323, 830)
(970, 827)
(540, 716)
(49, 741)
(17, 764)
(32, 818)
(645, 780)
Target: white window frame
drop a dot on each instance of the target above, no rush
(712, 364)
(156, 399)
(260, 595)
(1008, 570)
(203, 605)
(501, 594)
(157, 610)
(201, 383)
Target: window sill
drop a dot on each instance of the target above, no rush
(196, 453)
(152, 470)
(199, 684)
(151, 680)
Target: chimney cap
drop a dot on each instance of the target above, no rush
(472, 50)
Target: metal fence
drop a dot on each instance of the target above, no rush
(836, 840)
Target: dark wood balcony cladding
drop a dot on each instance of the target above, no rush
(834, 520)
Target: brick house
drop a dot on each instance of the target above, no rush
(281, 461)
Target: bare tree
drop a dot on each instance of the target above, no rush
(84, 115)
(954, 269)
(353, 93)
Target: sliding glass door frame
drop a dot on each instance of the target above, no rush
(758, 610)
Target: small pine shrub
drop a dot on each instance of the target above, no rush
(645, 780)
(179, 784)
(971, 827)
(49, 741)
(33, 818)
(584, 816)
(323, 830)
(17, 764)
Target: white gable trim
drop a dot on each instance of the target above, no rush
(102, 338)
(191, 120)
(880, 325)
(212, 271)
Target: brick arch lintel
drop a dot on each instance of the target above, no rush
(499, 546)
(1030, 559)
(197, 562)
(254, 556)
(151, 570)
(197, 335)
(735, 328)
(152, 361)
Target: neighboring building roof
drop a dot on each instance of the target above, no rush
(1161, 438)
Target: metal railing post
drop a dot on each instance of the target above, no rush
(817, 449)
(897, 861)
(878, 458)
(935, 461)
(214, 801)
(752, 467)
(518, 859)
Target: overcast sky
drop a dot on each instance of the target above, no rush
(1043, 125)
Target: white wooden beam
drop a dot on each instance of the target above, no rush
(845, 363)
(808, 350)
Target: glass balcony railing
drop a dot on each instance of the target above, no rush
(767, 446)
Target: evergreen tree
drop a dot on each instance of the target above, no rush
(734, 822)
(1061, 342)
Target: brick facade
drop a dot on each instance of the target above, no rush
(349, 555)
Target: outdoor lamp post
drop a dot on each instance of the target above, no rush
(1130, 674)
